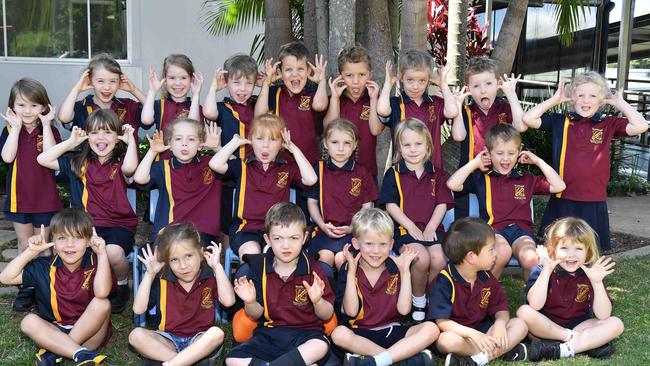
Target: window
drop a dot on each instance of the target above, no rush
(63, 29)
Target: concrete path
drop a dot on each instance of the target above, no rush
(630, 215)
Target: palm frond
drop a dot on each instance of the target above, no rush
(568, 14)
(222, 17)
(257, 48)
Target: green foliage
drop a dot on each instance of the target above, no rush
(568, 14)
(223, 17)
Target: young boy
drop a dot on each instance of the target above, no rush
(354, 97)
(286, 293)
(468, 303)
(415, 75)
(486, 111)
(504, 194)
(375, 291)
(71, 290)
(581, 143)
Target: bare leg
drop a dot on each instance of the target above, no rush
(200, 348)
(516, 331)
(345, 338)
(418, 337)
(339, 259)
(313, 350)
(437, 263)
(524, 250)
(420, 269)
(539, 325)
(151, 345)
(450, 342)
(249, 247)
(594, 333)
(25, 231)
(326, 256)
(117, 260)
(504, 252)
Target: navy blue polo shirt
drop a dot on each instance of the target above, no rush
(128, 110)
(235, 118)
(477, 124)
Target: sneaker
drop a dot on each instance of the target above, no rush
(456, 360)
(358, 360)
(85, 357)
(423, 358)
(604, 351)
(544, 350)
(418, 314)
(119, 298)
(25, 299)
(211, 360)
(47, 358)
(517, 353)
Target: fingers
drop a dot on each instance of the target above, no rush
(43, 232)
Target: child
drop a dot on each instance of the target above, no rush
(344, 187)
(417, 198)
(354, 97)
(286, 293)
(486, 111)
(581, 148)
(468, 303)
(104, 76)
(190, 190)
(183, 295)
(97, 176)
(179, 79)
(32, 198)
(504, 194)
(262, 179)
(73, 316)
(415, 75)
(564, 296)
(375, 290)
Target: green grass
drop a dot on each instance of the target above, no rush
(629, 286)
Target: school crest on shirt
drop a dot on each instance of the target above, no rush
(596, 136)
(39, 143)
(582, 293)
(283, 179)
(486, 292)
(503, 117)
(520, 192)
(207, 175)
(183, 113)
(113, 172)
(355, 186)
(206, 298)
(365, 113)
(432, 113)
(433, 187)
(391, 287)
(301, 297)
(305, 103)
(85, 285)
(121, 112)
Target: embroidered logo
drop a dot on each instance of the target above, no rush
(432, 113)
(596, 135)
(206, 298)
(433, 187)
(208, 175)
(183, 113)
(485, 297)
(39, 143)
(503, 117)
(121, 112)
(365, 113)
(85, 285)
(305, 103)
(520, 192)
(583, 292)
(355, 187)
(301, 298)
(113, 172)
(283, 179)
(391, 287)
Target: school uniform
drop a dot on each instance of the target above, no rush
(128, 110)
(358, 112)
(581, 156)
(165, 111)
(416, 197)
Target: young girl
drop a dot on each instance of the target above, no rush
(29, 131)
(581, 143)
(183, 295)
(568, 304)
(179, 79)
(417, 197)
(344, 187)
(262, 179)
(190, 191)
(97, 175)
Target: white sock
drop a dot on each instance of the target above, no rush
(123, 282)
(419, 301)
(480, 358)
(571, 333)
(566, 350)
(383, 359)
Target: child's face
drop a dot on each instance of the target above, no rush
(587, 99)
(185, 142)
(26, 110)
(70, 248)
(185, 261)
(483, 88)
(487, 257)
(340, 146)
(374, 247)
(412, 147)
(355, 76)
(504, 155)
(102, 143)
(571, 254)
(265, 147)
(286, 241)
(294, 73)
(240, 89)
(415, 82)
(105, 84)
(177, 82)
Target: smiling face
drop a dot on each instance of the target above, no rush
(587, 99)
(26, 110)
(71, 248)
(105, 85)
(265, 146)
(177, 83)
(355, 76)
(413, 148)
(294, 73)
(415, 83)
(504, 155)
(571, 254)
(185, 261)
(340, 145)
(185, 142)
(286, 241)
(240, 89)
(102, 142)
(374, 247)
(483, 87)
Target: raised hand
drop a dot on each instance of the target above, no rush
(212, 137)
(318, 70)
(483, 160)
(46, 119)
(508, 84)
(126, 84)
(240, 140)
(352, 260)
(543, 258)
(154, 83)
(127, 134)
(97, 244)
(77, 136)
(286, 141)
(150, 260)
(213, 255)
(616, 100)
(403, 262)
(527, 157)
(443, 74)
(560, 95)
(373, 89)
(337, 86)
(12, 119)
(219, 79)
(460, 94)
(598, 271)
(84, 82)
(157, 143)
(245, 289)
(315, 290)
(390, 78)
(197, 83)
(38, 243)
(271, 71)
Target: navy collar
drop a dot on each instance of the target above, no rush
(514, 173)
(88, 100)
(597, 117)
(561, 272)
(303, 267)
(248, 102)
(185, 102)
(175, 163)
(451, 268)
(204, 273)
(252, 159)
(86, 261)
(406, 99)
(349, 166)
(402, 168)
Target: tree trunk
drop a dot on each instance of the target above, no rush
(277, 26)
(413, 33)
(457, 40)
(361, 16)
(310, 36)
(322, 26)
(505, 47)
(341, 35)
(393, 18)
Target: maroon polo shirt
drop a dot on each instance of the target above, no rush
(128, 110)
(170, 110)
(477, 124)
(299, 117)
(180, 312)
(359, 113)
(451, 297)
(416, 197)
(31, 188)
(341, 192)
(286, 302)
(259, 189)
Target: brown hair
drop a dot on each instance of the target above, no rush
(354, 55)
(178, 60)
(504, 132)
(240, 65)
(416, 60)
(100, 119)
(30, 90)
(480, 64)
(284, 214)
(72, 221)
(469, 234)
(573, 229)
(266, 125)
(170, 234)
(343, 125)
(415, 125)
(295, 49)
(104, 61)
(169, 129)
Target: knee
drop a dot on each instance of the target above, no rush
(102, 306)
(115, 254)
(326, 256)
(617, 326)
(518, 324)
(341, 336)
(215, 335)
(528, 261)
(525, 311)
(136, 335)
(423, 261)
(437, 263)
(447, 342)
(431, 330)
(504, 250)
(29, 324)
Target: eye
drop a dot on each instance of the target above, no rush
(60, 238)
(174, 260)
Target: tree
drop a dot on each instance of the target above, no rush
(505, 47)
(342, 30)
(413, 33)
(457, 40)
(277, 26)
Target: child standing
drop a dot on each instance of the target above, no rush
(468, 303)
(182, 287)
(504, 194)
(29, 131)
(568, 303)
(375, 291)
(97, 176)
(581, 143)
(344, 187)
(73, 316)
(288, 296)
(417, 197)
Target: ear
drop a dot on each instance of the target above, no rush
(370, 75)
(356, 244)
(267, 239)
(470, 258)
(304, 238)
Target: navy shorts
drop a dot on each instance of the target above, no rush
(513, 232)
(268, 344)
(320, 241)
(117, 235)
(36, 219)
(179, 342)
(407, 239)
(385, 337)
(594, 213)
(237, 239)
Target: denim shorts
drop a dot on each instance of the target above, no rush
(179, 342)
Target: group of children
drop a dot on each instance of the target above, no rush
(361, 267)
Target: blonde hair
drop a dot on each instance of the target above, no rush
(373, 219)
(589, 77)
(267, 125)
(345, 126)
(417, 126)
(573, 229)
(169, 129)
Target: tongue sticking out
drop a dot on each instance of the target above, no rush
(485, 103)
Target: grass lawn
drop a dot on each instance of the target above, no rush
(629, 286)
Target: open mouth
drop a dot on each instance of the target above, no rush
(485, 103)
(101, 147)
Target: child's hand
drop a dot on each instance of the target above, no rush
(84, 82)
(415, 232)
(500, 335)
(508, 84)
(527, 157)
(286, 141)
(560, 95)
(245, 289)
(97, 244)
(430, 233)
(126, 84)
(318, 71)
(616, 100)
(46, 119)
(390, 78)
(547, 263)
(332, 231)
(373, 89)
(315, 290)
(212, 137)
(403, 262)
(219, 79)
(150, 260)
(483, 342)
(271, 71)
(482, 161)
(353, 261)
(604, 266)
(460, 94)
(443, 74)
(197, 83)
(337, 86)
(213, 256)
(38, 243)
(12, 119)
(77, 136)
(154, 83)
(127, 134)
(261, 76)
(157, 143)
(240, 140)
